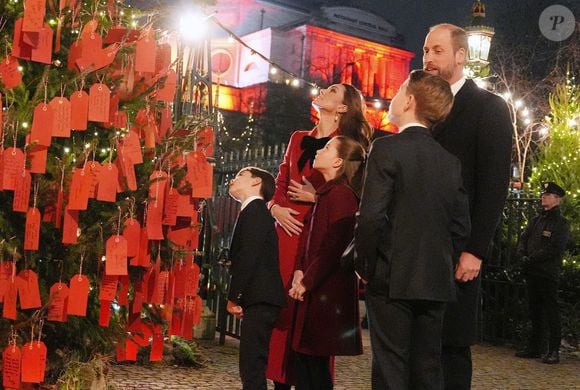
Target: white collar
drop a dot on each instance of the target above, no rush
(456, 86)
(411, 124)
(247, 201)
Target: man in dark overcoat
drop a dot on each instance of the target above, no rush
(542, 247)
(479, 132)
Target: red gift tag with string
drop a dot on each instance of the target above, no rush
(99, 103)
(105, 313)
(170, 208)
(160, 288)
(28, 291)
(9, 73)
(79, 295)
(5, 277)
(108, 290)
(113, 109)
(130, 147)
(105, 57)
(34, 11)
(179, 278)
(11, 367)
(199, 175)
(116, 255)
(167, 92)
(163, 59)
(42, 122)
(132, 232)
(145, 54)
(59, 294)
(37, 155)
(107, 187)
(21, 199)
(32, 229)
(80, 187)
(61, 108)
(94, 168)
(165, 123)
(10, 297)
(131, 349)
(120, 120)
(144, 258)
(204, 139)
(79, 103)
(70, 226)
(43, 51)
(12, 166)
(123, 298)
(185, 207)
(192, 279)
(155, 204)
(33, 362)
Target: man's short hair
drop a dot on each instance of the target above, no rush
(268, 185)
(433, 97)
(458, 36)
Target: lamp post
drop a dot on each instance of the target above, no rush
(479, 38)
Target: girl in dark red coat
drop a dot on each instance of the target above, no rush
(327, 318)
(341, 112)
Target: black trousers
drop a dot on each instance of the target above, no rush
(544, 312)
(313, 372)
(457, 367)
(257, 328)
(405, 341)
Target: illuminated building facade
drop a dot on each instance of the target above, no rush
(322, 45)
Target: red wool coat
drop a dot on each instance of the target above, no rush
(280, 358)
(327, 321)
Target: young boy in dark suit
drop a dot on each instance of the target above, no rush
(413, 219)
(256, 291)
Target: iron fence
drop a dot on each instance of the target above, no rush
(503, 314)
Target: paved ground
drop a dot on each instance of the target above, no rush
(495, 368)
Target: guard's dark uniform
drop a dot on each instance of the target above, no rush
(541, 246)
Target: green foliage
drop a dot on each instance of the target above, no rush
(558, 160)
(80, 375)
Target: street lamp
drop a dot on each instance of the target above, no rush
(479, 40)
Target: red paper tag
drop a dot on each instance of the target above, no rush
(28, 291)
(165, 123)
(199, 175)
(144, 257)
(79, 295)
(185, 207)
(32, 230)
(43, 50)
(9, 73)
(107, 187)
(108, 290)
(94, 171)
(161, 285)
(33, 362)
(116, 263)
(132, 232)
(113, 109)
(127, 172)
(185, 236)
(22, 193)
(158, 181)
(145, 55)
(123, 298)
(57, 310)
(70, 226)
(34, 11)
(37, 155)
(120, 33)
(79, 102)
(131, 350)
(105, 313)
(157, 345)
(19, 49)
(130, 147)
(167, 92)
(11, 369)
(5, 277)
(79, 189)
(120, 120)
(105, 57)
(99, 103)
(163, 60)
(74, 54)
(10, 296)
(61, 108)
(205, 140)
(13, 164)
(42, 123)
(170, 210)
(192, 279)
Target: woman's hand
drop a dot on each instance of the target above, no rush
(297, 291)
(302, 192)
(284, 216)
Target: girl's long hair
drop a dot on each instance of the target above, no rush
(353, 155)
(353, 123)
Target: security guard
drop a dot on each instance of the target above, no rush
(541, 247)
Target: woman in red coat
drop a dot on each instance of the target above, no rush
(327, 319)
(341, 111)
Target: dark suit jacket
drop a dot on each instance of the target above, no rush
(414, 211)
(478, 131)
(254, 255)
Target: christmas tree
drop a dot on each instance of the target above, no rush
(106, 132)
